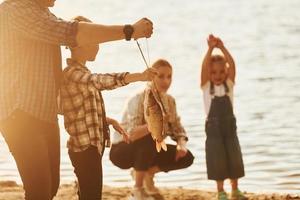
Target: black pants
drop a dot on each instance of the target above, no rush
(35, 147)
(88, 169)
(142, 154)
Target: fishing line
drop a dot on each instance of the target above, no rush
(141, 51)
(138, 44)
(148, 52)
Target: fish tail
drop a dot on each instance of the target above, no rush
(158, 146)
(164, 146)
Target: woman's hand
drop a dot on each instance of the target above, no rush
(181, 150)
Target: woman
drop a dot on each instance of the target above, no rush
(141, 153)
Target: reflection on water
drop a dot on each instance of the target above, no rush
(264, 39)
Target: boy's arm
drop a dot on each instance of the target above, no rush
(107, 81)
(99, 81)
(229, 59)
(117, 126)
(147, 75)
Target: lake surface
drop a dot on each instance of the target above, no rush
(263, 37)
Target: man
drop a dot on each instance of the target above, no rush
(30, 67)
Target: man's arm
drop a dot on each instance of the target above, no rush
(90, 33)
(30, 21)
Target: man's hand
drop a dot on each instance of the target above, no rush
(142, 28)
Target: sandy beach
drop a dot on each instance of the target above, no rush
(9, 190)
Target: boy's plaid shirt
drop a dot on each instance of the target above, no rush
(83, 106)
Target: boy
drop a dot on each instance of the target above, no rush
(84, 115)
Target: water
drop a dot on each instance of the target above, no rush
(262, 35)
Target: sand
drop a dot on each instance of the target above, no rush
(9, 190)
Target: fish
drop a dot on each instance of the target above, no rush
(155, 117)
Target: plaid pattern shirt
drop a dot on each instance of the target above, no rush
(83, 106)
(133, 116)
(30, 58)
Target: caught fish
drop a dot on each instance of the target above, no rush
(154, 116)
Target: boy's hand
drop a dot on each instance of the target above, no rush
(126, 138)
(119, 128)
(149, 74)
(142, 28)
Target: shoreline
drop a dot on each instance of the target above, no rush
(10, 190)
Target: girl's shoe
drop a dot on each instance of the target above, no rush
(222, 196)
(238, 195)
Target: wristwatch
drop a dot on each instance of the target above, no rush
(128, 31)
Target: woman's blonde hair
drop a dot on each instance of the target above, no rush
(161, 63)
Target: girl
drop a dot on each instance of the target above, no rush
(223, 153)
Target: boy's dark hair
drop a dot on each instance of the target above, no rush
(79, 19)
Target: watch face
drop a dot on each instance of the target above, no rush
(128, 30)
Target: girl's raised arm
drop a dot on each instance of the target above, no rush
(205, 73)
(229, 59)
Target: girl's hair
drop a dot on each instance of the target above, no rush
(218, 59)
(161, 63)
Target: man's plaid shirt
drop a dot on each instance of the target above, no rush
(83, 106)
(30, 59)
